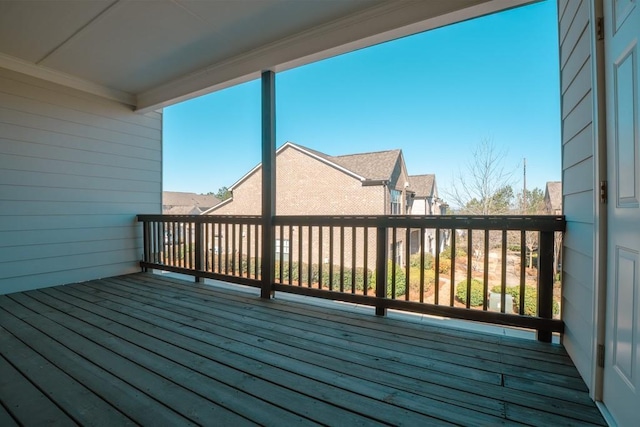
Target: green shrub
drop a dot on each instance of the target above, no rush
(414, 261)
(446, 254)
(530, 299)
(477, 292)
(401, 280)
(414, 280)
(360, 278)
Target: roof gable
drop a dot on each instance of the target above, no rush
(553, 194)
(423, 185)
(374, 166)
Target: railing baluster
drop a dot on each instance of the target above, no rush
(365, 256)
(226, 248)
(219, 247)
(407, 263)
(330, 258)
(486, 270)
(353, 260)
(503, 276)
(233, 248)
(469, 265)
(393, 263)
(257, 251)
(185, 244)
(241, 234)
(249, 244)
(300, 255)
(436, 291)
(320, 257)
(289, 255)
(208, 247)
(341, 258)
(199, 250)
(523, 264)
(452, 290)
(422, 255)
(381, 267)
(174, 244)
(161, 242)
(168, 253)
(281, 260)
(310, 257)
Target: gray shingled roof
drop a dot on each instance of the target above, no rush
(371, 166)
(378, 165)
(554, 193)
(175, 202)
(422, 185)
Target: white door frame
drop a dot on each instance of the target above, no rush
(600, 209)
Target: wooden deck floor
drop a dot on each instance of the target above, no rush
(150, 350)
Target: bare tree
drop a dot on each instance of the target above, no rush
(531, 203)
(483, 187)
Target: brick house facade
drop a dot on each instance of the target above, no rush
(309, 182)
(312, 183)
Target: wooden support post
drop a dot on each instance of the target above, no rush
(200, 250)
(545, 281)
(268, 181)
(381, 267)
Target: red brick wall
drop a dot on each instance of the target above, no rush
(307, 186)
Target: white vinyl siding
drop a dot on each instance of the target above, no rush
(75, 169)
(579, 177)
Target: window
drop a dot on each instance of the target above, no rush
(396, 202)
(285, 250)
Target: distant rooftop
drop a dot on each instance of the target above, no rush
(180, 203)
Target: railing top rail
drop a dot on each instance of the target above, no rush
(202, 219)
(459, 222)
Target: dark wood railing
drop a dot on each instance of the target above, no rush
(497, 270)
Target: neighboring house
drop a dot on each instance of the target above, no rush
(426, 202)
(553, 198)
(313, 183)
(309, 182)
(179, 203)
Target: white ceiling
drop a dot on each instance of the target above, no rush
(151, 53)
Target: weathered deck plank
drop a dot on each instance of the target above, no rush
(24, 400)
(397, 353)
(143, 348)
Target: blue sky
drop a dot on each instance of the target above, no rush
(435, 95)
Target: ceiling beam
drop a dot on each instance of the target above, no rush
(48, 74)
(387, 21)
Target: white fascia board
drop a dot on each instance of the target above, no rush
(386, 21)
(53, 76)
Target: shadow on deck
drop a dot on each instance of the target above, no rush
(147, 349)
